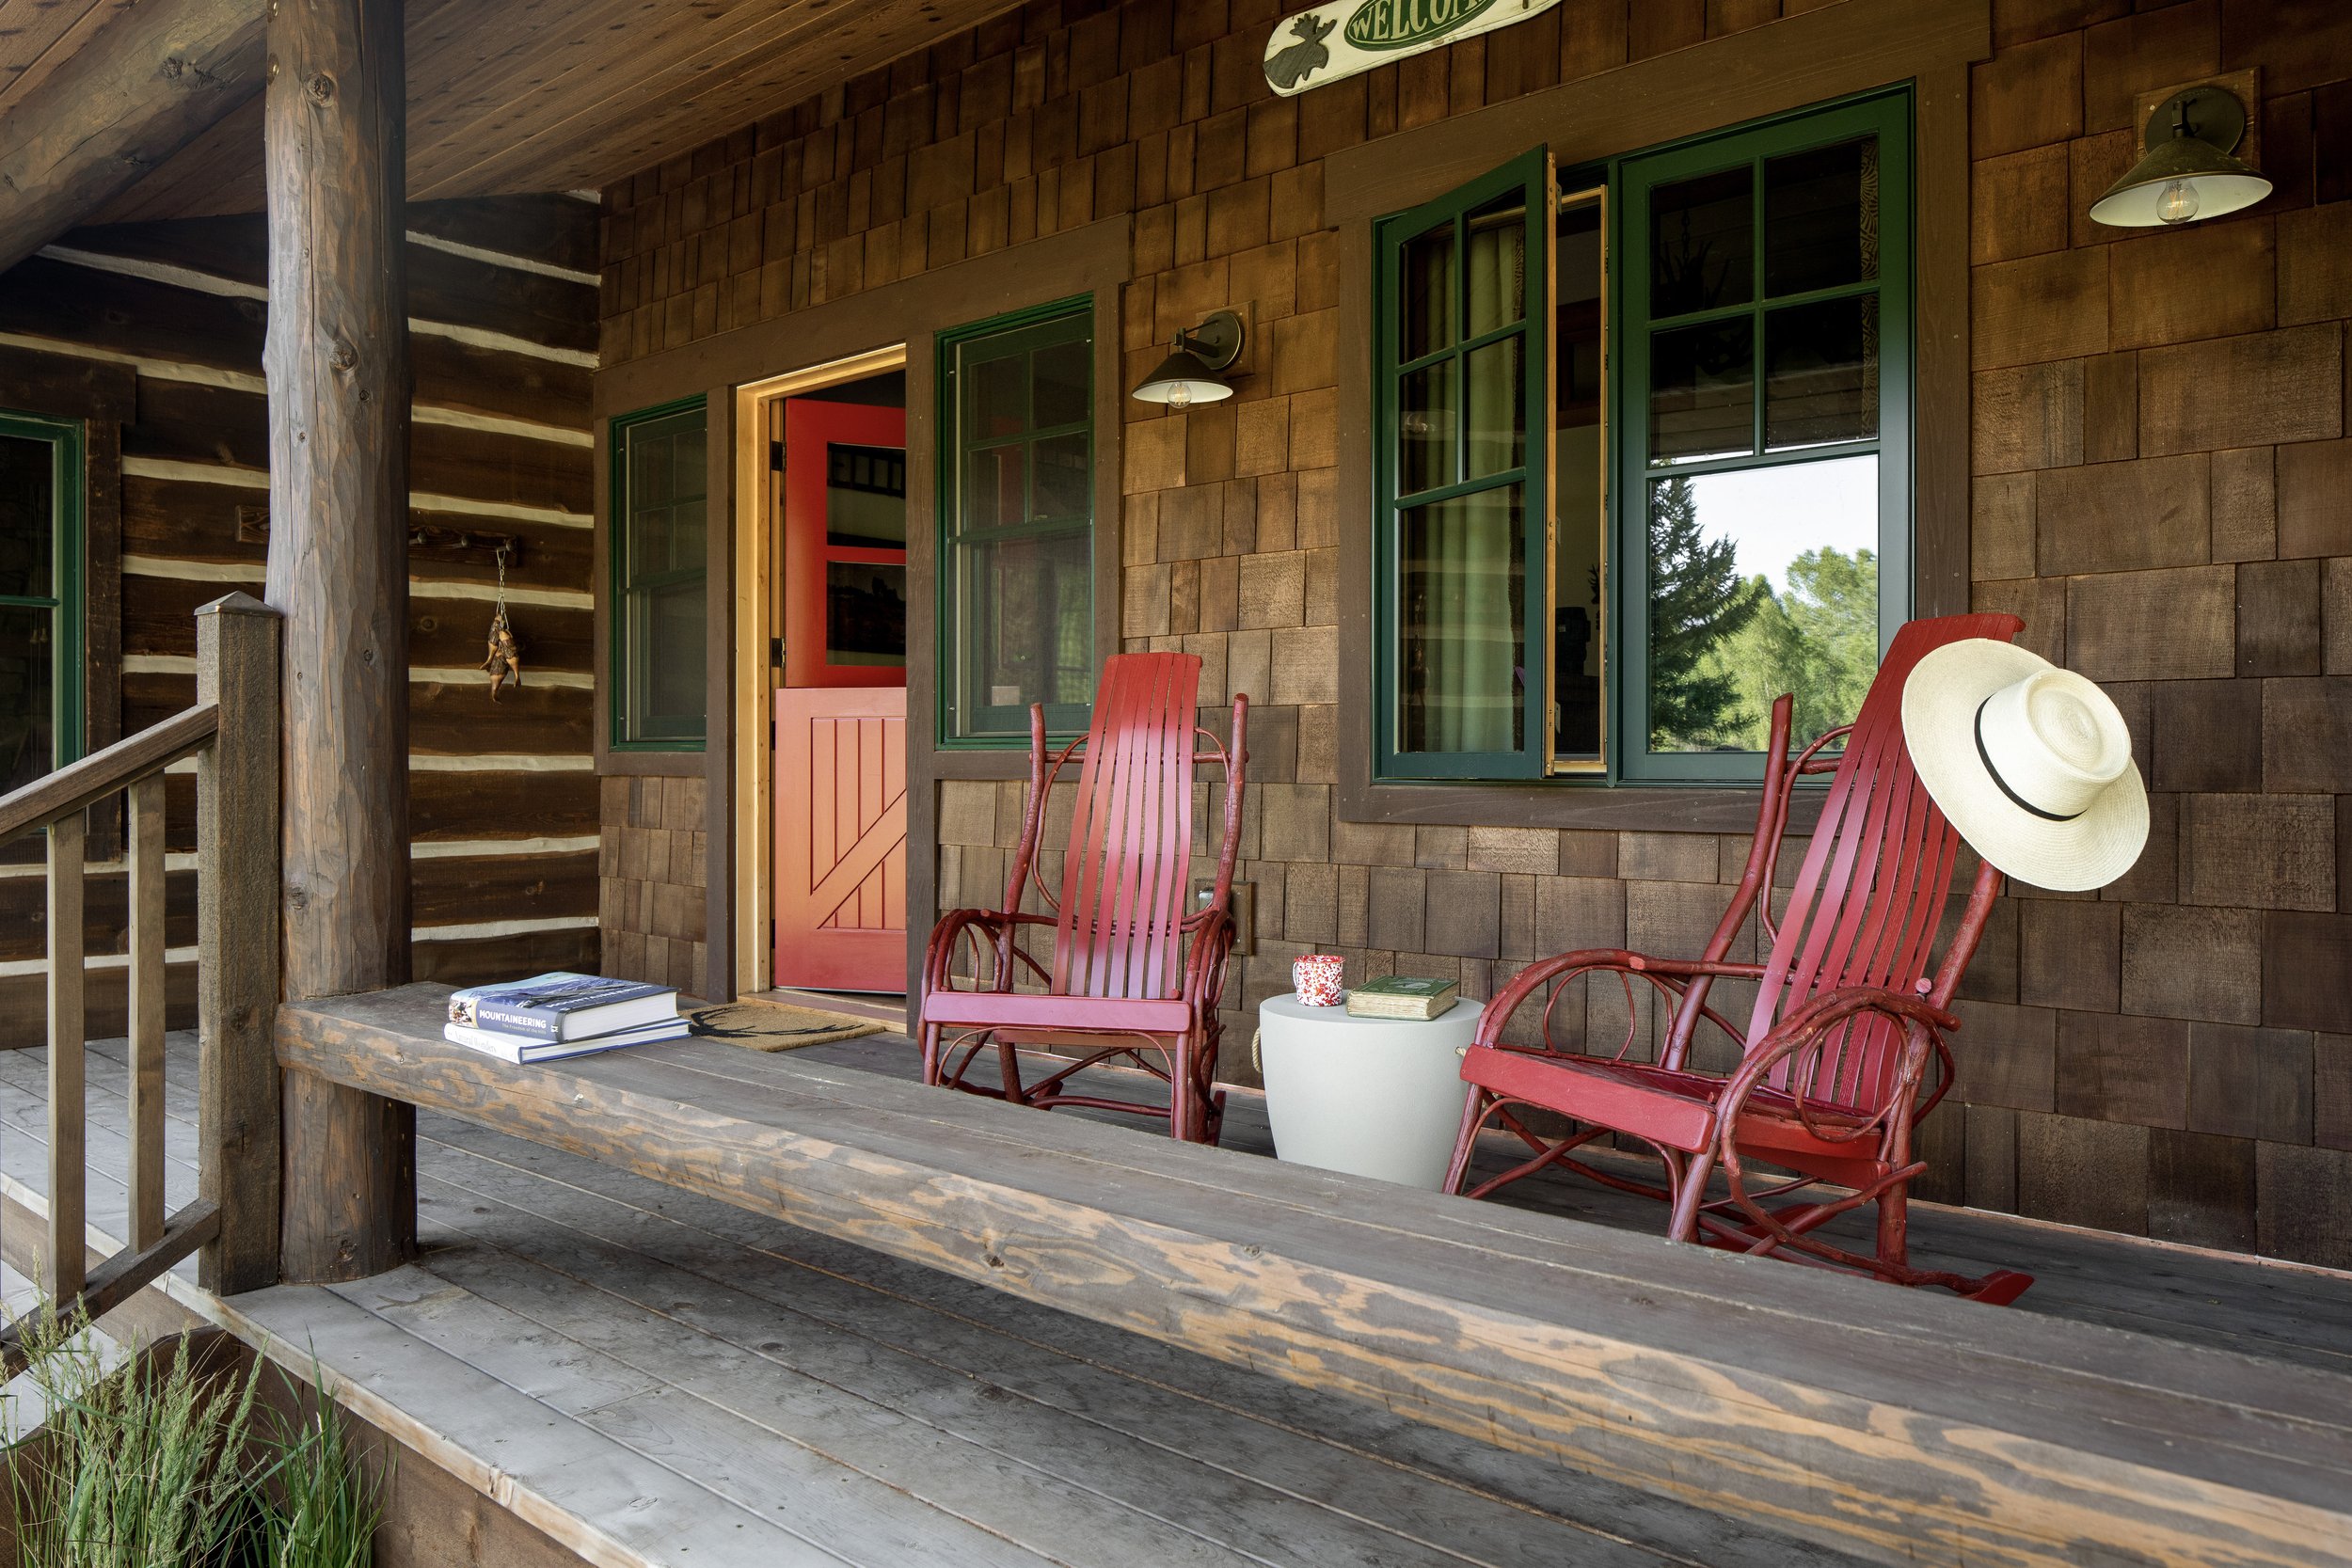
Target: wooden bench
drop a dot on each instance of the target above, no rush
(1894, 1424)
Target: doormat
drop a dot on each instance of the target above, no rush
(767, 1026)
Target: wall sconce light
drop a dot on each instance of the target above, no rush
(2187, 171)
(1189, 373)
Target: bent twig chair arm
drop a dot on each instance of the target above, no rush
(1668, 977)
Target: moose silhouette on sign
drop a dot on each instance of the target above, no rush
(1292, 65)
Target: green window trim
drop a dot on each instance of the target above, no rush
(1888, 117)
(67, 601)
(1527, 180)
(634, 725)
(1628, 183)
(969, 719)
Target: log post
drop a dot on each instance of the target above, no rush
(236, 935)
(336, 362)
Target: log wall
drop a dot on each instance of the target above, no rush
(502, 798)
(2158, 432)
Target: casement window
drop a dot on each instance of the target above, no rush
(659, 653)
(1643, 455)
(1016, 524)
(41, 603)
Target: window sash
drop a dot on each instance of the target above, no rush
(1529, 177)
(636, 727)
(68, 598)
(966, 607)
(1888, 119)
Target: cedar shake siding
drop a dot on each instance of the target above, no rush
(2159, 466)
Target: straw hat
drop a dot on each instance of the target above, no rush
(2030, 762)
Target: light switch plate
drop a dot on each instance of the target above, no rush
(1243, 900)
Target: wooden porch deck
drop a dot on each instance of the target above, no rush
(2259, 1307)
(651, 1376)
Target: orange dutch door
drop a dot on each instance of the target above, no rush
(840, 738)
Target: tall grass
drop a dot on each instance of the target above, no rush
(323, 1510)
(145, 1468)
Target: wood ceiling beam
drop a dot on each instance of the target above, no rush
(148, 84)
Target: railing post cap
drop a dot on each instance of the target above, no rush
(237, 603)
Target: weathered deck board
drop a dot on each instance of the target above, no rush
(2289, 1311)
(708, 1347)
(1936, 1431)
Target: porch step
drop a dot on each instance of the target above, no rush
(651, 1377)
(1896, 1424)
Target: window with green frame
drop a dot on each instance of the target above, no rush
(41, 603)
(1016, 524)
(660, 531)
(1644, 458)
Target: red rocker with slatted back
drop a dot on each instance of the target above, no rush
(1124, 983)
(1849, 1020)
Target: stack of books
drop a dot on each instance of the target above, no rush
(1403, 996)
(562, 1014)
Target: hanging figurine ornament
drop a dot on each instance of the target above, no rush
(506, 656)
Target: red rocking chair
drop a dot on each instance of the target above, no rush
(1834, 1065)
(1123, 985)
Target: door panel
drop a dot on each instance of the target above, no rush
(840, 740)
(844, 556)
(841, 839)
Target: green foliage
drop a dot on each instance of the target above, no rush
(153, 1464)
(1698, 604)
(324, 1511)
(1819, 639)
(145, 1466)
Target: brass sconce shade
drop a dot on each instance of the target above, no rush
(1189, 375)
(2187, 171)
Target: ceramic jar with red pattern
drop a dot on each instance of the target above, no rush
(1316, 978)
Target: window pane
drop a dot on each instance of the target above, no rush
(995, 486)
(1761, 581)
(1018, 620)
(1427, 289)
(29, 504)
(673, 660)
(660, 546)
(866, 614)
(1498, 266)
(1821, 217)
(1702, 392)
(27, 719)
(1425, 414)
(648, 541)
(866, 497)
(1029, 604)
(1064, 477)
(1821, 373)
(1702, 243)
(1462, 592)
(1064, 374)
(1496, 380)
(1000, 396)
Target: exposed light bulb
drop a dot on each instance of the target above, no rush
(1180, 396)
(2177, 201)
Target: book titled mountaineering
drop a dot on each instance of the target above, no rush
(561, 1006)
(520, 1049)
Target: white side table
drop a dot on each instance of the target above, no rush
(1379, 1096)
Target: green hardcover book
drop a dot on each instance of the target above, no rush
(1403, 996)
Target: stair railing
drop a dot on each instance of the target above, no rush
(233, 732)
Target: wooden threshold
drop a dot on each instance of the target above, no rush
(888, 1011)
(1897, 1425)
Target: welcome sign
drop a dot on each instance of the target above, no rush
(1332, 42)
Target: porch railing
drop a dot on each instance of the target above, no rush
(232, 734)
